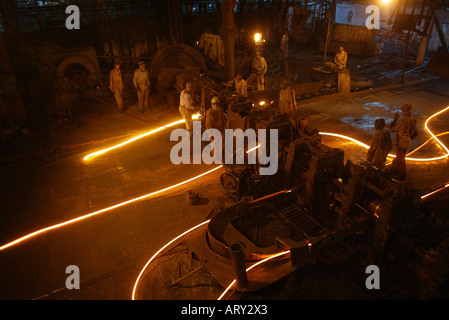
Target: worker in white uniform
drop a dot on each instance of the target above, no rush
(259, 68)
(186, 107)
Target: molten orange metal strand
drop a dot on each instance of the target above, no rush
(425, 143)
(434, 137)
(205, 173)
(160, 250)
(196, 116)
(140, 136)
(133, 296)
(251, 267)
(12, 243)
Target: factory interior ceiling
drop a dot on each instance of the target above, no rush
(109, 188)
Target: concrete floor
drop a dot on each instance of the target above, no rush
(111, 248)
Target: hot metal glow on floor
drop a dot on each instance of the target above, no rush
(160, 250)
(33, 234)
(433, 137)
(97, 153)
(196, 116)
(135, 138)
(146, 196)
(251, 267)
(205, 223)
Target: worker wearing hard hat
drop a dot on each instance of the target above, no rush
(215, 117)
(259, 68)
(141, 81)
(116, 84)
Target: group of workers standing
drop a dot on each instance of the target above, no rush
(141, 82)
(406, 130)
(216, 116)
(404, 127)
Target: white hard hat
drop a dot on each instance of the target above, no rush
(215, 100)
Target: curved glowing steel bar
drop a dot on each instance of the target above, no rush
(251, 267)
(168, 188)
(196, 116)
(28, 236)
(133, 296)
(367, 147)
(431, 133)
(140, 136)
(160, 250)
(92, 155)
(425, 143)
(407, 158)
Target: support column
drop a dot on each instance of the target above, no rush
(421, 51)
(228, 41)
(440, 34)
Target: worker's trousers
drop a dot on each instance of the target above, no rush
(143, 94)
(260, 82)
(187, 116)
(118, 98)
(398, 167)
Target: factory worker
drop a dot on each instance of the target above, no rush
(381, 145)
(406, 130)
(240, 85)
(259, 68)
(141, 81)
(341, 58)
(116, 84)
(379, 47)
(186, 107)
(215, 117)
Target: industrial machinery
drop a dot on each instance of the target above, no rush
(67, 73)
(244, 181)
(171, 67)
(308, 232)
